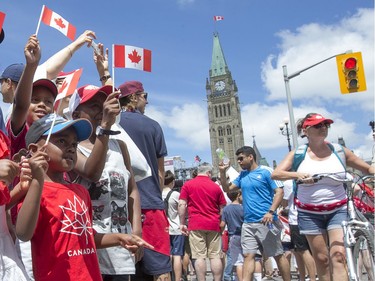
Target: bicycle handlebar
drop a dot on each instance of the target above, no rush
(335, 177)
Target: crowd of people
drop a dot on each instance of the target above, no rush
(84, 193)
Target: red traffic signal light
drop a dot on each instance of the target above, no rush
(351, 73)
(350, 65)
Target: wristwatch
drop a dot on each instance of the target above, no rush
(271, 212)
(100, 132)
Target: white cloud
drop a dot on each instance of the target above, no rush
(188, 121)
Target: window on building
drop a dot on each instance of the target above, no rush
(228, 106)
(229, 130)
(216, 111)
(220, 131)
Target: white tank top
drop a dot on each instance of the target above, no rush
(325, 191)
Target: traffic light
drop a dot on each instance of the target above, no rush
(351, 73)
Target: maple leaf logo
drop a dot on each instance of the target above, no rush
(77, 220)
(134, 57)
(59, 22)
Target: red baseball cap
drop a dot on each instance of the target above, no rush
(85, 93)
(46, 83)
(315, 119)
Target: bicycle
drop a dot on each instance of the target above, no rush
(358, 233)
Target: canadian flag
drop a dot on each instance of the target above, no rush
(217, 18)
(54, 20)
(2, 18)
(69, 85)
(132, 57)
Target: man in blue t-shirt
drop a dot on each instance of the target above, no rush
(148, 136)
(261, 197)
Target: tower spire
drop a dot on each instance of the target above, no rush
(218, 64)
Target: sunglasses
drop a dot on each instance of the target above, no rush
(320, 125)
(143, 95)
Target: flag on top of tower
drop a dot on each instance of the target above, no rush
(131, 57)
(217, 18)
(2, 18)
(56, 21)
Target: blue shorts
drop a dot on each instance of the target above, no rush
(315, 224)
(177, 245)
(152, 263)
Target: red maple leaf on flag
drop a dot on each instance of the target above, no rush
(134, 57)
(59, 22)
(63, 86)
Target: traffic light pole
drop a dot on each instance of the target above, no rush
(287, 77)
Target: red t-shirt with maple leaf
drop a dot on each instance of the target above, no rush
(63, 246)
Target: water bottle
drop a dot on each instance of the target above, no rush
(222, 156)
(273, 229)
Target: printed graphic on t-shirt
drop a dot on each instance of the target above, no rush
(77, 218)
(110, 208)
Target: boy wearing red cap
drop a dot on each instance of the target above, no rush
(104, 168)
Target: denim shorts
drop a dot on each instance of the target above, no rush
(315, 224)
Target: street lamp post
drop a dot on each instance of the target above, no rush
(288, 95)
(284, 129)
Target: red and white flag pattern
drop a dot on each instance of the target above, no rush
(132, 57)
(54, 20)
(217, 18)
(69, 85)
(2, 18)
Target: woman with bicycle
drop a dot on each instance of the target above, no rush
(321, 205)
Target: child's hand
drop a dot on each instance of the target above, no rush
(8, 170)
(138, 254)
(111, 109)
(133, 242)
(38, 164)
(32, 51)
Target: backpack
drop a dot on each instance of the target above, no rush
(166, 203)
(299, 156)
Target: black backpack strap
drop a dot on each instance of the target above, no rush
(166, 200)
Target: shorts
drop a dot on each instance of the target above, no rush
(315, 224)
(236, 250)
(257, 236)
(298, 240)
(287, 246)
(205, 244)
(177, 245)
(155, 230)
(151, 264)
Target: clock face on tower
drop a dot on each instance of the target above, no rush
(220, 85)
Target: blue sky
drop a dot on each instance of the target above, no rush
(257, 37)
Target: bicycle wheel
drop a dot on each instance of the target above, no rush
(363, 255)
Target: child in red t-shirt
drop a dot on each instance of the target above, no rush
(57, 215)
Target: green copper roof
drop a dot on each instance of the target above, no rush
(218, 64)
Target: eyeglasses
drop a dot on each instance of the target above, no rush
(320, 125)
